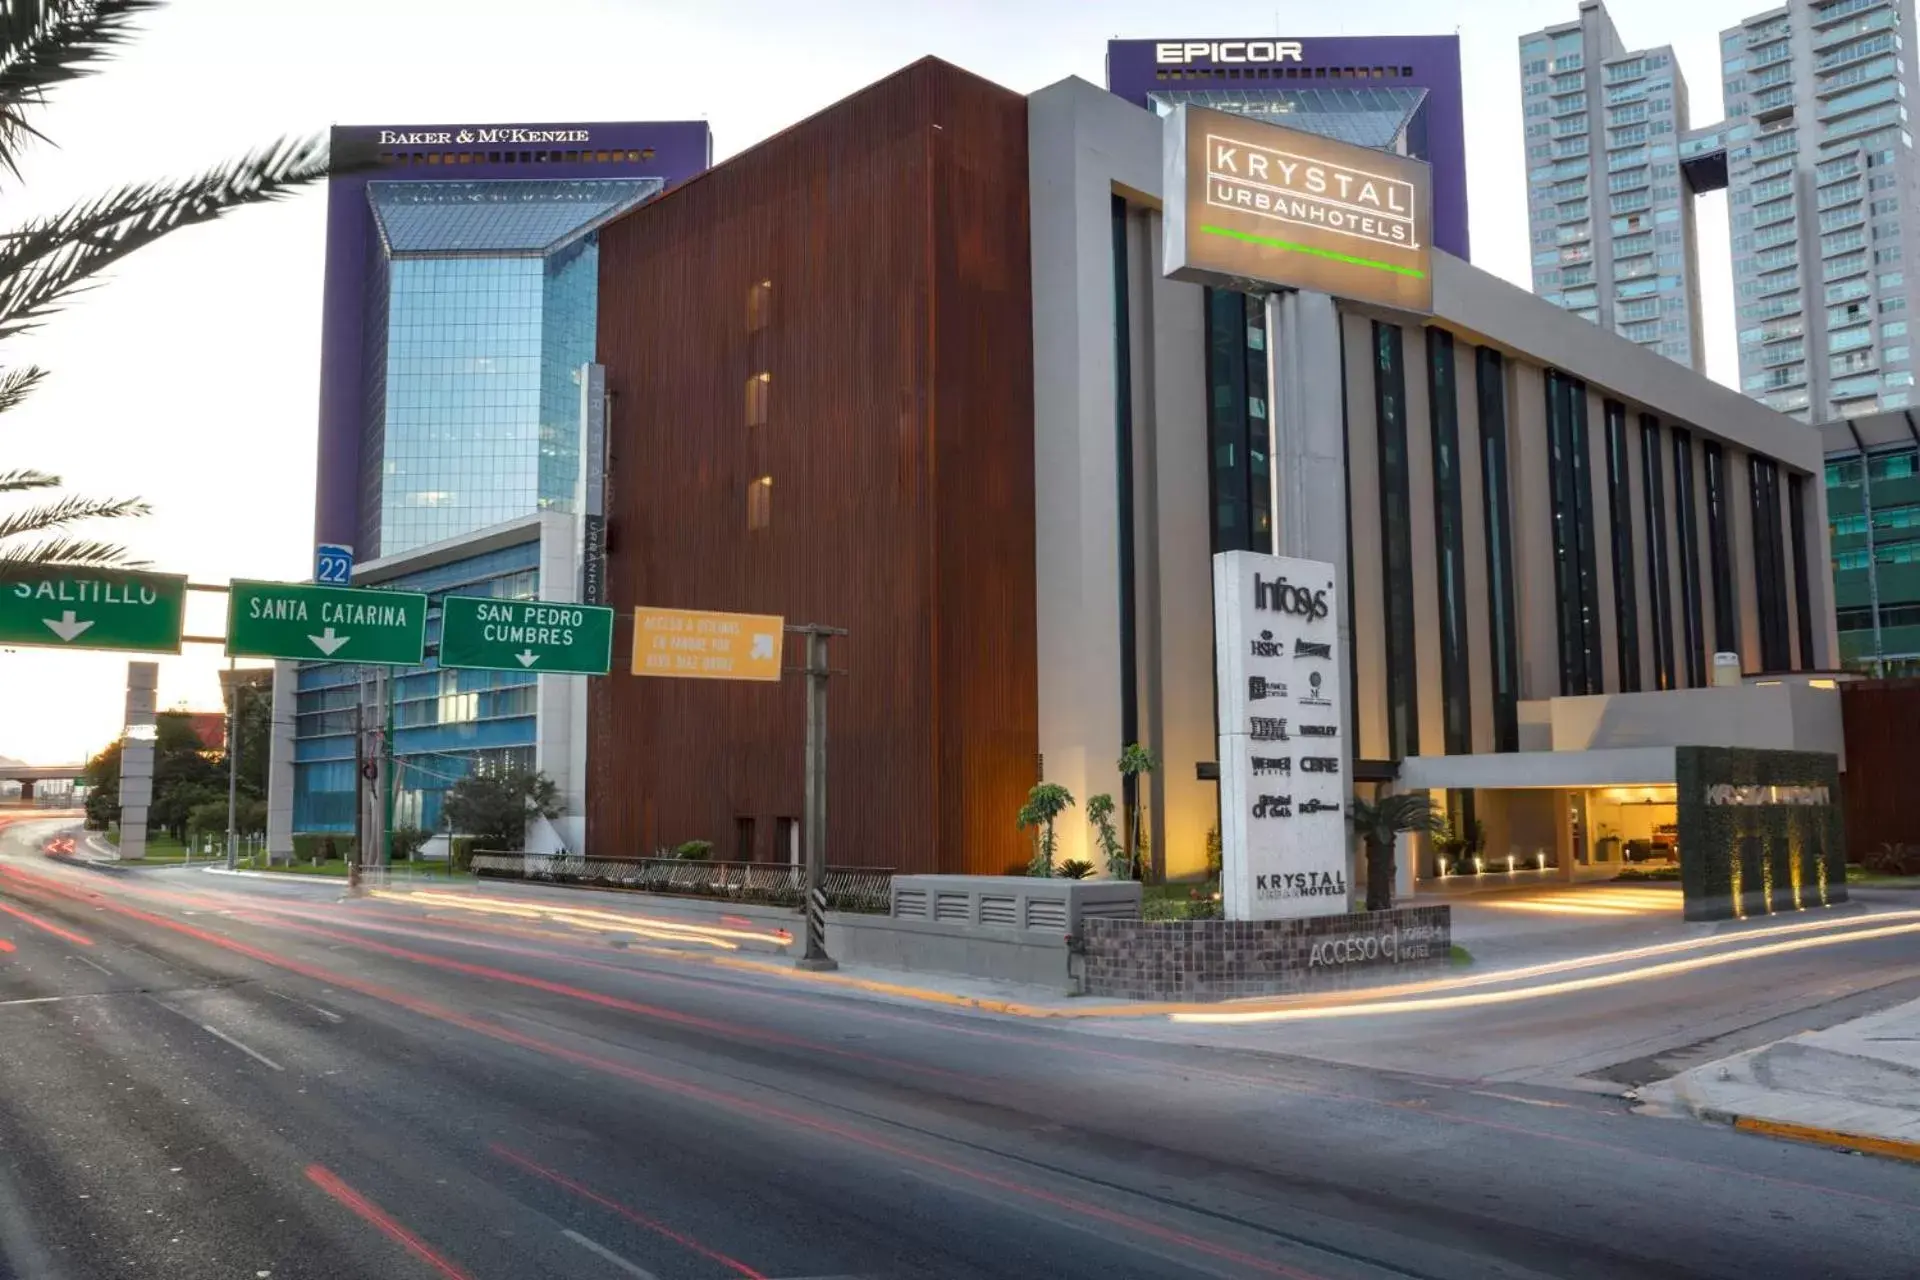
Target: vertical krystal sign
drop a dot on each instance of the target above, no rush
(1283, 760)
(1254, 204)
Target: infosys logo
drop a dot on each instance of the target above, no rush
(1180, 53)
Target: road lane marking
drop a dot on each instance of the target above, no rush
(328, 1014)
(329, 1182)
(53, 929)
(261, 1058)
(93, 964)
(632, 1215)
(5, 945)
(609, 1256)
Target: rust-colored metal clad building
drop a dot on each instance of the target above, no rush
(819, 358)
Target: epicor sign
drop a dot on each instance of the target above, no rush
(1180, 53)
(1252, 204)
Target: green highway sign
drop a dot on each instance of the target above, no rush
(92, 609)
(525, 635)
(346, 624)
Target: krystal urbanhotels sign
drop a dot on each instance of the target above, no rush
(1255, 203)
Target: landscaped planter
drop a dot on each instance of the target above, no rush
(1228, 959)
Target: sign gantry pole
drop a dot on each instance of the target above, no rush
(814, 818)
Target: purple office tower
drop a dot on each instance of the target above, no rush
(461, 287)
(1396, 93)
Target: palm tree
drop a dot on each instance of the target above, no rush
(44, 43)
(1379, 823)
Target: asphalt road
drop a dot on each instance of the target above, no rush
(256, 1080)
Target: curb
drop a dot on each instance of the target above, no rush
(1835, 1139)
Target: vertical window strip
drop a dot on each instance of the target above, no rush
(1802, 588)
(1491, 385)
(1227, 419)
(1443, 402)
(1687, 529)
(1659, 579)
(1592, 665)
(1769, 564)
(1726, 621)
(1390, 404)
(1626, 599)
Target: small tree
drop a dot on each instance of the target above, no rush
(494, 807)
(1100, 814)
(1047, 801)
(1379, 824)
(1135, 762)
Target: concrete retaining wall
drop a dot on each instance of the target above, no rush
(1225, 959)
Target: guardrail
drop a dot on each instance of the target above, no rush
(867, 889)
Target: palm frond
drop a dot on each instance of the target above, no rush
(69, 551)
(61, 512)
(47, 259)
(47, 42)
(17, 384)
(19, 481)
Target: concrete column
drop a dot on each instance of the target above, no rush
(1408, 849)
(136, 757)
(1826, 636)
(1366, 598)
(1474, 545)
(1175, 591)
(1307, 457)
(280, 762)
(1563, 833)
(1534, 593)
(1429, 689)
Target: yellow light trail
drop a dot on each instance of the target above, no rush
(593, 920)
(1481, 998)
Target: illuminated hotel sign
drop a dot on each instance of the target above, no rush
(1251, 204)
(1725, 793)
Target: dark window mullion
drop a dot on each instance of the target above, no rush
(1626, 601)
(1390, 404)
(1443, 404)
(1687, 529)
(1659, 571)
(1491, 385)
(1802, 588)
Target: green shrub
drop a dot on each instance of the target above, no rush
(407, 842)
(1076, 869)
(695, 850)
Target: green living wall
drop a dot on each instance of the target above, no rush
(1749, 852)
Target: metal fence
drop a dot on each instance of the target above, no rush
(865, 889)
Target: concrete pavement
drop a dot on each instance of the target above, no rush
(1856, 1085)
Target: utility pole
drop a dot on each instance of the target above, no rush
(359, 781)
(814, 853)
(233, 761)
(386, 822)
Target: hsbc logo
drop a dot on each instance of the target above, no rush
(1180, 53)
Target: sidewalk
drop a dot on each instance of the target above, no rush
(1855, 1086)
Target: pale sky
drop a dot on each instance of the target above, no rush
(191, 378)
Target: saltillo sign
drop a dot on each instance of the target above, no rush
(1254, 205)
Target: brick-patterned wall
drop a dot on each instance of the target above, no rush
(1225, 959)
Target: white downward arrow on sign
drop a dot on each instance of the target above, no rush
(66, 626)
(326, 642)
(527, 657)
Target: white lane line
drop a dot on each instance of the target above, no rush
(328, 1014)
(39, 1000)
(92, 964)
(261, 1058)
(610, 1257)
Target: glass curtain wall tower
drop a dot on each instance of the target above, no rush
(1610, 226)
